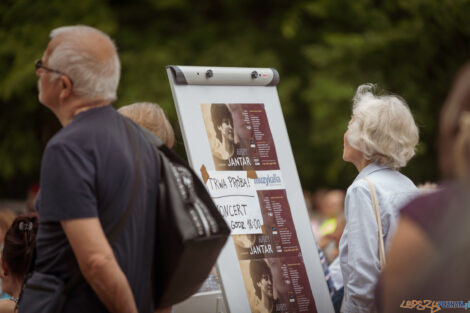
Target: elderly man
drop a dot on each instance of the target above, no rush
(88, 174)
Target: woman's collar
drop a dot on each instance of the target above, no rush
(369, 169)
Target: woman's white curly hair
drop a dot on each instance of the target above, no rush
(382, 127)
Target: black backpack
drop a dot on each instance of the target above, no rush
(190, 232)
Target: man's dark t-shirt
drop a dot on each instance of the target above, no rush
(88, 170)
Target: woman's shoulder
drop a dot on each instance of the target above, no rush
(380, 176)
(392, 176)
(391, 184)
(358, 186)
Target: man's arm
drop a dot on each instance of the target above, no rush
(98, 264)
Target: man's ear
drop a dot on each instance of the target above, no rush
(66, 87)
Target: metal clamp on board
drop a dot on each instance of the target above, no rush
(228, 76)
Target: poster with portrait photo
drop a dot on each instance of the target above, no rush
(279, 238)
(239, 136)
(277, 285)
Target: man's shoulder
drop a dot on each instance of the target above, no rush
(61, 141)
(69, 138)
(94, 120)
(92, 125)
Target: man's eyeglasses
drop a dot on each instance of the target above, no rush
(39, 65)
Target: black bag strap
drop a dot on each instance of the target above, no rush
(116, 230)
(159, 146)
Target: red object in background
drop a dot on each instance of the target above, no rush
(33, 191)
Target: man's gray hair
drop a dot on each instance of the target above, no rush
(94, 78)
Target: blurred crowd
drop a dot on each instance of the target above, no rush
(326, 211)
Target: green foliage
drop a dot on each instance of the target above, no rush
(323, 50)
(25, 126)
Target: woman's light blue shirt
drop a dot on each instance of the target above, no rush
(358, 247)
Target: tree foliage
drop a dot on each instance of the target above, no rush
(323, 49)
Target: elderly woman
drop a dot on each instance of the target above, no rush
(152, 117)
(380, 139)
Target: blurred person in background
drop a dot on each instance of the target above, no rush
(380, 139)
(331, 206)
(17, 256)
(313, 202)
(430, 254)
(152, 117)
(335, 288)
(31, 198)
(427, 187)
(6, 219)
(332, 225)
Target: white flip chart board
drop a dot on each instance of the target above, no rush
(236, 140)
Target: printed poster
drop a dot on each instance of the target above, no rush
(279, 238)
(271, 263)
(239, 136)
(256, 207)
(281, 281)
(236, 199)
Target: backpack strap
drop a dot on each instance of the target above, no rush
(375, 205)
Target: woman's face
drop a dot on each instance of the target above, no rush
(349, 153)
